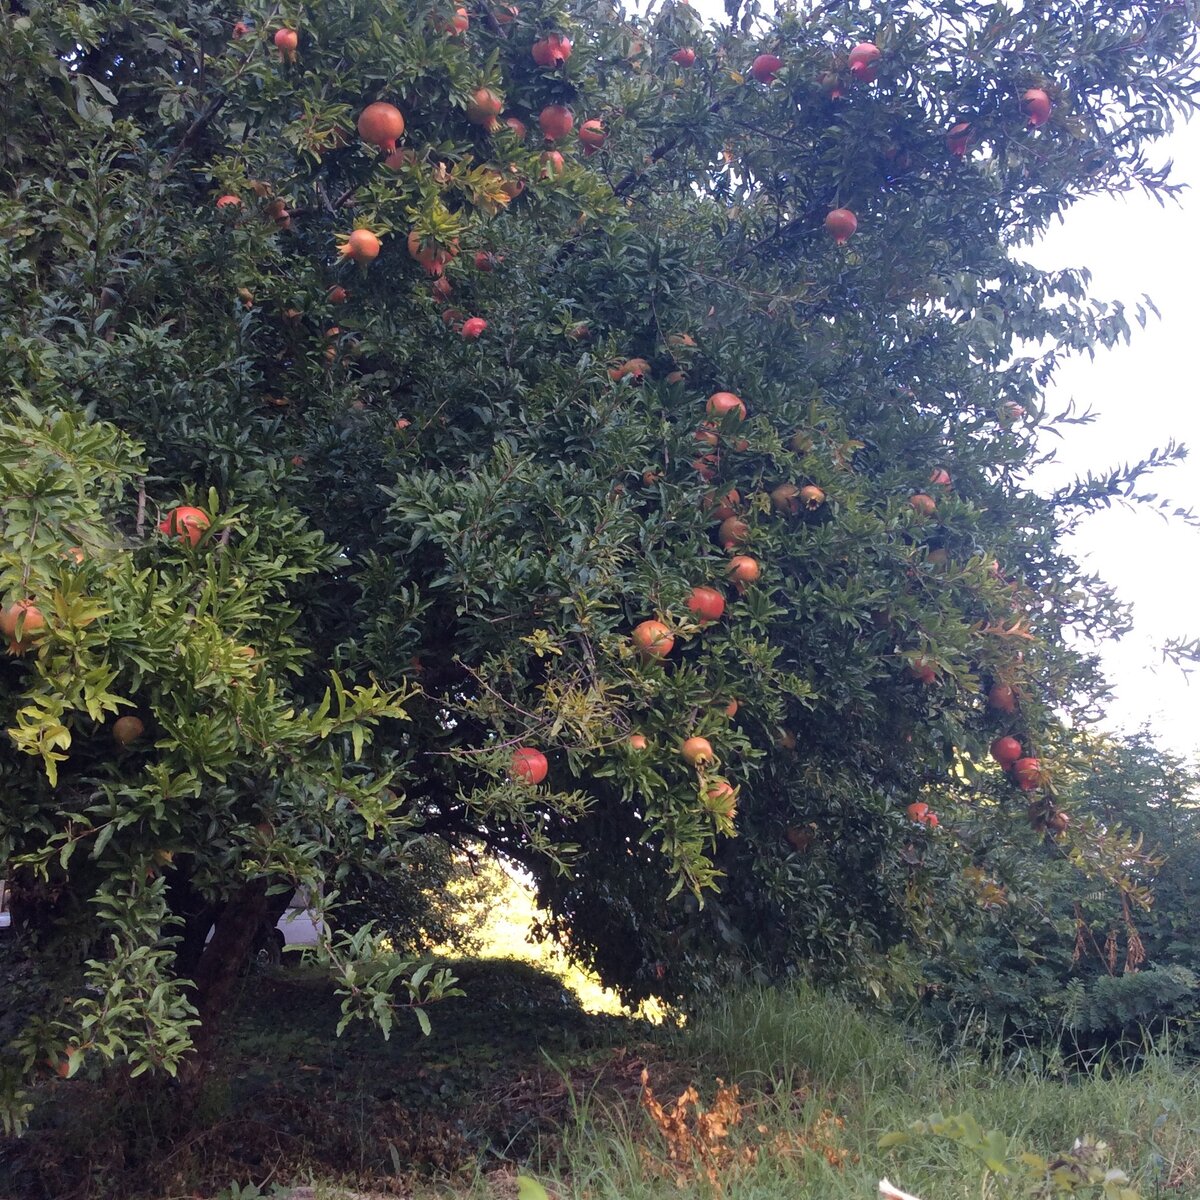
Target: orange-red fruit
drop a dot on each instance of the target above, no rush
(923, 504)
(733, 530)
(556, 121)
(864, 59)
(707, 604)
(632, 368)
(380, 124)
(765, 67)
(917, 811)
(506, 14)
(185, 523)
(1035, 104)
(240, 29)
(126, 730)
(592, 135)
(517, 126)
(840, 225)
(229, 201)
(731, 709)
(362, 246)
(653, 639)
(287, 40)
(29, 617)
(1002, 698)
(720, 507)
(473, 327)
(722, 403)
(940, 476)
(529, 765)
(720, 797)
(1006, 751)
(429, 254)
(786, 499)
(1058, 821)
(484, 107)
(337, 295)
(459, 23)
(552, 164)
(442, 289)
(697, 750)
(1028, 773)
(922, 670)
(637, 741)
(552, 51)
(685, 56)
(811, 496)
(744, 569)
(958, 139)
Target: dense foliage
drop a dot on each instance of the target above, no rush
(443, 407)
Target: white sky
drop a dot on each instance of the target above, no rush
(1143, 395)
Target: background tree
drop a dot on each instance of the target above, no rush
(463, 409)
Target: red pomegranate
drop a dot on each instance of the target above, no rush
(517, 126)
(25, 616)
(362, 246)
(556, 121)
(553, 164)
(1028, 773)
(459, 23)
(592, 135)
(185, 524)
(286, 42)
(864, 59)
(380, 124)
(1002, 698)
(473, 327)
(924, 505)
(484, 107)
(529, 765)
(229, 201)
(337, 295)
(441, 289)
(720, 404)
(940, 476)
(918, 812)
(922, 670)
(1035, 104)
(653, 639)
(765, 67)
(841, 224)
(1006, 751)
(721, 508)
(732, 532)
(685, 56)
(707, 604)
(552, 51)
(958, 140)
(743, 569)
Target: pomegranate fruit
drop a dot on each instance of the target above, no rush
(939, 476)
(592, 135)
(1035, 104)
(922, 670)
(722, 403)
(706, 604)
(765, 67)
(381, 124)
(812, 497)
(229, 201)
(744, 569)
(337, 295)
(552, 164)
(185, 524)
(840, 224)
(958, 139)
(732, 532)
(1058, 821)
(432, 256)
(697, 750)
(529, 765)
(917, 812)
(636, 369)
(637, 741)
(1006, 751)
(286, 42)
(441, 289)
(556, 121)
(473, 327)
(923, 504)
(552, 51)
(20, 623)
(653, 639)
(721, 508)
(731, 709)
(127, 729)
(362, 246)
(484, 107)
(517, 126)
(721, 798)
(1002, 698)
(864, 62)
(685, 56)
(459, 23)
(786, 499)
(1027, 772)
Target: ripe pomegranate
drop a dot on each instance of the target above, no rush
(653, 639)
(337, 295)
(958, 139)
(697, 750)
(637, 741)
(432, 256)
(707, 604)
(240, 29)
(25, 616)
(473, 327)
(484, 107)
(812, 497)
(721, 798)
(731, 709)
(1002, 698)
(552, 164)
(733, 531)
(940, 476)
(636, 369)
(1012, 411)
(517, 126)
(556, 121)
(786, 499)
(706, 466)
(441, 289)
(917, 812)
(841, 224)
(286, 41)
(707, 435)
(380, 124)
(1027, 772)
(864, 60)
(452, 315)
(229, 201)
(1006, 751)
(362, 246)
(1035, 104)
(126, 730)
(185, 524)
(552, 51)
(459, 23)
(506, 14)
(529, 765)
(923, 504)
(743, 569)
(722, 403)
(1058, 821)
(592, 135)
(765, 67)
(685, 56)
(721, 508)
(922, 670)
(400, 158)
